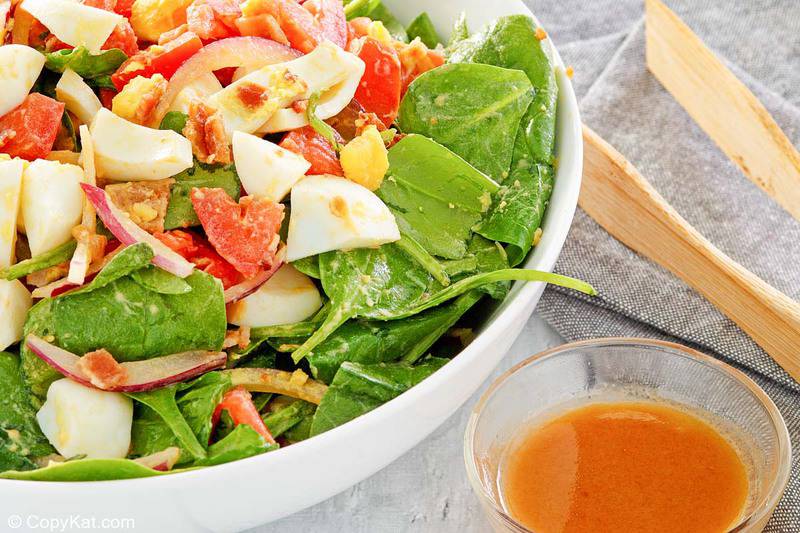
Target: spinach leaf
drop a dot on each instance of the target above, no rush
(87, 470)
(423, 258)
(366, 342)
(435, 195)
(240, 443)
(180, 213)
(160, 281)
(472, 109)
(87, 65)
(422, 27)
(301, 431)
(282, 420)
(162, 401)
(488, 256)
(510, 42)
(67, 133)
(376, 10)
(54, 257)
(21, 440)
(175, 121)
(197, 400)
(117, 313)
(460, 30)
(308, 265)
(518, 208)
(358, 389)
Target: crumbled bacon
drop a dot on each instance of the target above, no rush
(252, 95)
(206, 131)
(368, 119)
(41, 278)
(103, 371)
(262, 25)
(237, 337)
(145, 201)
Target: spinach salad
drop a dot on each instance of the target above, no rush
(230, 235)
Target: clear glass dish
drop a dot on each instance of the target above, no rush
(629, 370)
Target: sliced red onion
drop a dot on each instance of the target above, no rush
(250, 52)
(162, 461)
(141, 375)
(248, 287)
(124, 229)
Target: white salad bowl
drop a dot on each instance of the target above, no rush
(253, 491)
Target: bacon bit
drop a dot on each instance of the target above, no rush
(570, 72)
(213, 19)
(300, 106)
(540, 34)
(365, 120)
(145, 201)
(173, 34)
(252, 95)
(237, 337)
(150, 99)
(103, 371)
(206, 131)
(262, 25)
(41, 278)
(95, 243)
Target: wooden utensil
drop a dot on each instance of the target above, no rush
(629, 208)
(722, 105)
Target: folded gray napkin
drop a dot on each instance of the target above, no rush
(604, 42)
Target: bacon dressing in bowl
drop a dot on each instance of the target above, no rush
(624, 466)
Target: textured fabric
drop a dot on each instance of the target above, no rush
(604, 42)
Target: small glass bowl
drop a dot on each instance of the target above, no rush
(615, 369)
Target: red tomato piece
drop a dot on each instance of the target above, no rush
(197, 250)
(164, 60)
(301, 28)
(123, 38)
(315, 149)
(106, 97)
(329, 15)
(379, 90)
(29, 130)
(238, 402)
(124, 8)
(245, 234)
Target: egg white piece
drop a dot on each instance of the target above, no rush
(74, 23)
(125, 151)
(19, 67)
(10, 199)
(52, 203)
(265, 169)
(15, 300)
(328, 70)
(79, 420)
(333, 213)
(77, 96)
(288, 297)
(200, 88)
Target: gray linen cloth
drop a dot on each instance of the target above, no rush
(604, 42)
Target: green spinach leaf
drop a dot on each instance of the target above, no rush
(422, 27)
(435, 195)
(88, 470)
(54, 257)
(460, 30)
(472, 109)
(240, 443)
(87, 65)
(282, 420)
(180, 213)
(160, 281)
(308, 265)
(358, 389)
(376, 10)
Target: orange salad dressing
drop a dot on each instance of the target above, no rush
(624, 467)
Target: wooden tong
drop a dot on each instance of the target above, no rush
(630, 209)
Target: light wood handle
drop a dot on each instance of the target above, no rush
(723, 106)
(630, 209)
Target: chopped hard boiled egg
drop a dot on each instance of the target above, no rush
(79, 420)
(365, 159)
(200, 88)
(332, 213)
(52, 203)
(327, 70)
(19, 67)
(77, 96)
(265, 169)
(246, 104)
(151, 18)
(127, 103)
(125, 151)
(15, 300)
(10, 199)
(288, 297)
(74, 23)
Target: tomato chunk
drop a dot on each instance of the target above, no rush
(123, 38)
(379, 90)
(29, 130)
(329, 14)
(315, 149)
(245, 234)
(238, 402)
(299, 25)
(164, 60)
(197, 250)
